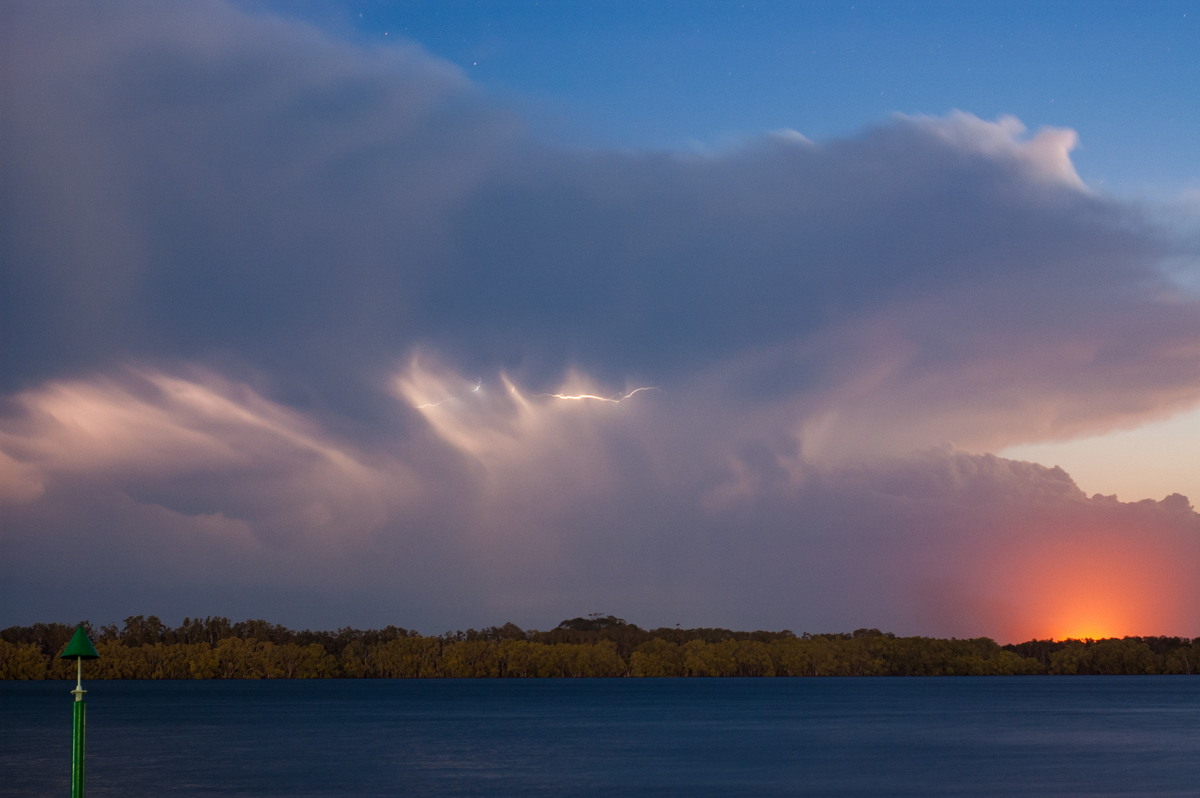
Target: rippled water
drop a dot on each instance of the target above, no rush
(991, 736)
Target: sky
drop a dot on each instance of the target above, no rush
(810, 316)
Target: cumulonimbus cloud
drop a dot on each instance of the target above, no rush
(319, 324)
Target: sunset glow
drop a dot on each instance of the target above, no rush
(1096, 586)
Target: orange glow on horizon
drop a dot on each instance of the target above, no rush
(1095, 601)
(1086, 628)
(1099, 585)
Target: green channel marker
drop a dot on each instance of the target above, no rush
(80, 648)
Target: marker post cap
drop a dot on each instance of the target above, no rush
(80, 646)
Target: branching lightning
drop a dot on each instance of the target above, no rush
(612, 399)
(426, 391)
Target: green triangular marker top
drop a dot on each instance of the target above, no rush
(80, 646)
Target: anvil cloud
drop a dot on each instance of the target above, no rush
(288, 324)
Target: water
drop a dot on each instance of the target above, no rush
(991, 736)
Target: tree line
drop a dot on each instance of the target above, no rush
(596, 646)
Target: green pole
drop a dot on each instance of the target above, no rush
(79, 649)
(78, 728)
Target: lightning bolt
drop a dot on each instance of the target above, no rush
(579, 397)
(522, 401)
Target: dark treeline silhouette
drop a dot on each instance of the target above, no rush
(595, 646)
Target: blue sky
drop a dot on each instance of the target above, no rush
(814, 316)
(680, 75)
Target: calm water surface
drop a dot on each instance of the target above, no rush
(992, 736)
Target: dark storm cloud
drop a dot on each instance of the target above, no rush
(306, 323)
(190, 180)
